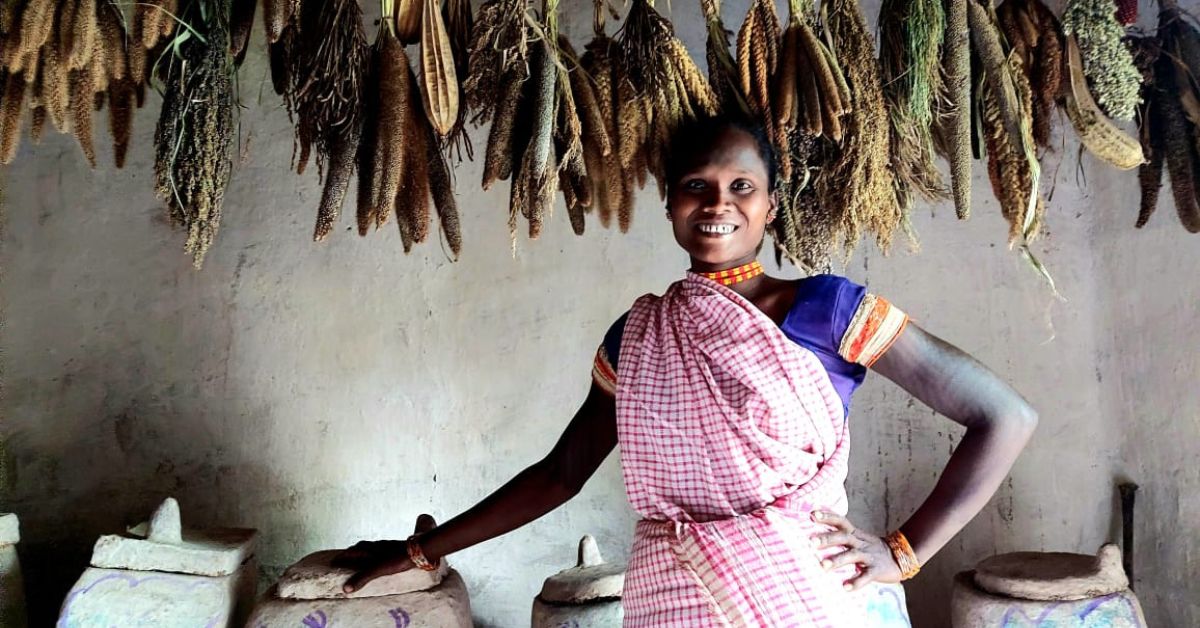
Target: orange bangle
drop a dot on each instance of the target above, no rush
(903, 554)
(417, 556)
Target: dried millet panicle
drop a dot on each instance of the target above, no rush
(1107, 62)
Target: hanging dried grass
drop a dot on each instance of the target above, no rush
(911, 33)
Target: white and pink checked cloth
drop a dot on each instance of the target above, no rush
(731, 434)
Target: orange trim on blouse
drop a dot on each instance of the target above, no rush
(603, 373)
(873, 329)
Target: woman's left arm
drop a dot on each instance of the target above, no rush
(999, 423)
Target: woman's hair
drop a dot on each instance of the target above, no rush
(698, 136)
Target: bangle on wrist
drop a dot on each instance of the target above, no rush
(903, 554)
(417, 555)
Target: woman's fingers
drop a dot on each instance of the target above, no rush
(836, 539)
(364, 576)
(834, 520)
(865, 576)
(848, 557)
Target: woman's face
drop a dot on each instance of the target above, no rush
(722, 203)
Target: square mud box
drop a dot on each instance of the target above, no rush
(162, 576)
(309, 594)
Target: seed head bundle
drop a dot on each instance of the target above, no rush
(194, 136)
(613, 185)
(498, 56)
(722, 68)
(858, 181)
(326, 58)
(1034, 34)
(659, 78)
(1007, 104)
(1107, 62)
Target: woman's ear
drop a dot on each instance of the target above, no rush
(771, 213)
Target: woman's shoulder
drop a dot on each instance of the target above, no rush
(842, 317)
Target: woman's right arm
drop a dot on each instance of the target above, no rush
(537, 490)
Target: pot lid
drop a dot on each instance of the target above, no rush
(162, 544)
(590, 579)
(1053, 575)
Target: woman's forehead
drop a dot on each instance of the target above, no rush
(730, 148)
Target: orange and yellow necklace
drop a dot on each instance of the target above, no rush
(730, 276)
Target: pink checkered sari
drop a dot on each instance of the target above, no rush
(731, 434)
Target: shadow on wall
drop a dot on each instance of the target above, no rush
(100, 473)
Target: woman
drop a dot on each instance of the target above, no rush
(729, 397)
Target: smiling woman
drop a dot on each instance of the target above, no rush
(730, 395)
(721, 192)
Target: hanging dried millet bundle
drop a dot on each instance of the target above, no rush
(194, 137)
(659, 77)
(535, 175)
(326, 60)
(758, 52)
(1034, 34)
(952, 113)
(1007, 104)
(722, 68)
(911, 33)
(1146, 52)
(858, 182)
(1107, 61)
(1178, 108)
(614, 186)
(497, 56)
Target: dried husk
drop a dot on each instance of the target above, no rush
(439, 81)
(409, 20)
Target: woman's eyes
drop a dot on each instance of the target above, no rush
(741, 185)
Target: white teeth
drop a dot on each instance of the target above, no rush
(717, 229)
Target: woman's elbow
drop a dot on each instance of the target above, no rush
(1020, 420)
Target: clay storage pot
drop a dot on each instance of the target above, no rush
(162, 576)
(12, 585)
(1046, 589)
(309, 594)
(587, 595)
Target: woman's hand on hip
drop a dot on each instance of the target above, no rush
(867, 552)
(371, 560)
